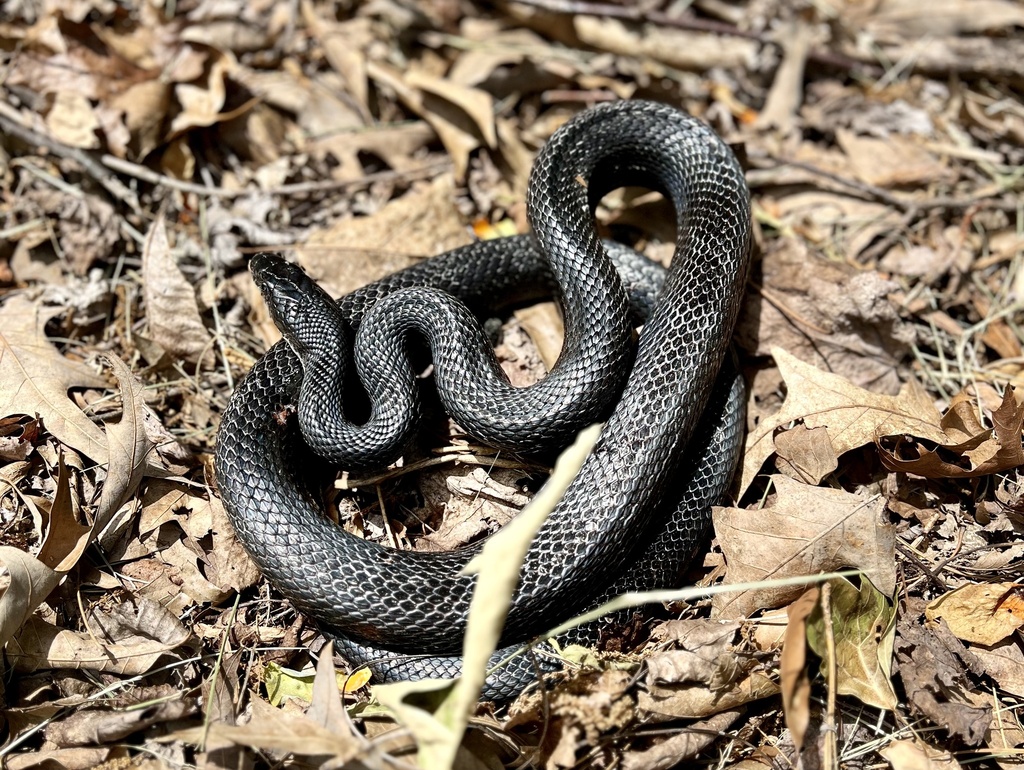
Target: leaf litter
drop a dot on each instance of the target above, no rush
(143, 156)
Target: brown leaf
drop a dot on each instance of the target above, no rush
(805, 454)
(1004, 662)
(25, 582)
(804, 531)
(128, 639)
(852, 416)
(969, 450)
(461, 116)
(129, 446)
(171, 306)
(353, 252)
(891, 162)
(35, 378)
(984, 613)
(931, 664)
(793, 678)
(272, 729)
(914, 754)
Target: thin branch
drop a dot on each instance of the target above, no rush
(300, 188)
(692, 23)
(10, 122)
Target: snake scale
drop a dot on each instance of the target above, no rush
(640, 503)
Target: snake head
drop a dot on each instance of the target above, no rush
(285, 287)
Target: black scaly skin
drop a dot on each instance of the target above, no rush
(416, 602)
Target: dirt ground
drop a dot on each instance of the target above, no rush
(147, 150)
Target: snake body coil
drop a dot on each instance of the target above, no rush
(416, 602)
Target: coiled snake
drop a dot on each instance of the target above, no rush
(640, 502)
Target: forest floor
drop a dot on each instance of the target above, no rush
(146, 152)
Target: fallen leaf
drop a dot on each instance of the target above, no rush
(35, 378)
(271, 729)
(354, 252)
(805, 530)
(895, 161)
(135, 635)
(851, 416)
(983, 613)
(913, 754)
(171, 307)
(793, 678)
(684, 745)
(863, 628)
(932, 664)
(93, 727)
(25, 582)
(707, 675)
(969, 450)
(129, 446)
(1004, 662)
(805, 454)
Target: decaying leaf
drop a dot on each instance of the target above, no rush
(1004, 662)
(969, 450)
(863, 628)
(983, 613)
(127, 639)
(35, 378)
(171, 307)
(852, 416)
(707, 675)
(354, 252)
(794, 681)
(913, 754)
(933, 665)
(805, 530)
(275, 730)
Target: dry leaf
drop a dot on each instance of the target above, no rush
(705, 676)
(805, 530)
(171, 306)
(793, 679)
(895, 161)
(127, 640)
(969, 450)
(25, 582)
(354, 252)
(913, 754)
(129, 447)
(35, 378)
(274, 730)
(933, 666)
(983, 613)
(1004, 662)
(852, 416)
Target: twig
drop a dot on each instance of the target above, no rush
(689, 22)
(10, 122)
(301, 188)
(908, 205)
(831, 737)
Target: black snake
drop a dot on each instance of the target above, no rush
(637, 485)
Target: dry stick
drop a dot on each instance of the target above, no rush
(300, 188)
(903, 204)
(830, 760)
(11, 123)
(688, 22)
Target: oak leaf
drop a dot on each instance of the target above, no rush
(35, 378)
(805, 530)
(851, 416)
(970, 450)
